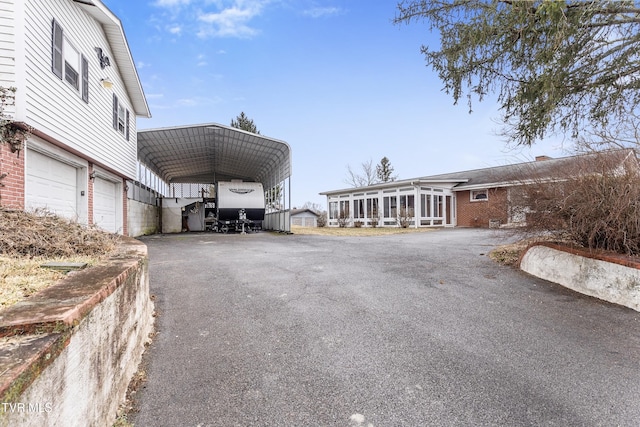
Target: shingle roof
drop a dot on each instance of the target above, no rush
(560, 168)
(299, 211)
(497, 176)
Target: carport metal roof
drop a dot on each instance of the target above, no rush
(212, 152)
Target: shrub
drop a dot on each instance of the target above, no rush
(343, 218)
(596, 205)
(322, 219)
(404, 217)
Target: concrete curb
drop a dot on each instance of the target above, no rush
(610, 277)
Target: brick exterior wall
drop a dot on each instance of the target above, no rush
(12, 185)
(478, 213)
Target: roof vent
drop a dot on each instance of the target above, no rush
(542, 158)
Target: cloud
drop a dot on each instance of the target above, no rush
(175, 29)
(198, 101)
(232, 20)
(188, 102)
(319, 12)
(210, 18)
(140, 65)
(171, 3)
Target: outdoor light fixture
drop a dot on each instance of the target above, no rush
(92, 175)
(106, 83)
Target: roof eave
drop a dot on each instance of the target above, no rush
(121, 53)
(410, 182)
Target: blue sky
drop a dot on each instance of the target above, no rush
(333, 78)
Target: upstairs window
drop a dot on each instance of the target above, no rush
(120, 117)
(67, 63)
(71, 64)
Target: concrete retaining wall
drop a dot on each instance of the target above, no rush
(68, 353)
(609, 277)
(143, 219)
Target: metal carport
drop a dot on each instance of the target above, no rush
(207, 153)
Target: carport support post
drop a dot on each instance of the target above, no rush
(288, 225)
(160, 213)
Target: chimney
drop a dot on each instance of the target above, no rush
(543, 158)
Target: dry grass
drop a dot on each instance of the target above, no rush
(353, 231)
(27, 240)
(509, 254)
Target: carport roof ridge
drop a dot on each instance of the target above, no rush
(207, 153)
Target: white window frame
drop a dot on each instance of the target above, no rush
(68, 63)
(120, 117)
(71, 57)
(473, 195)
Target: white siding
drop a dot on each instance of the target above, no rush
(7, 47)
(55, 108)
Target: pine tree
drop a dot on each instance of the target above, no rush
(384, 171)
(245, 123)
(555, 66)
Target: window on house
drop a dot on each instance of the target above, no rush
(390, 207)
(372, 208)
(333, 210)
(425, 205)
(358, 208)
(120, 117)
(71, 64)
(437, 206)
(67, 63)
(479, 195)
(407, 205)
(344, 209)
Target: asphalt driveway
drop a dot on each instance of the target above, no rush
(404, 330)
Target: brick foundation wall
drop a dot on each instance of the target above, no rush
(478, 213)
(12, 185)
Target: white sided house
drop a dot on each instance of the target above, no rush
(79, 93)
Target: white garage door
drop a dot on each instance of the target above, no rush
(105, 204)
(51, 184)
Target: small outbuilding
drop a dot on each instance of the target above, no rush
(304, 218)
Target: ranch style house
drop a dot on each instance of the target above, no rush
(473, 198)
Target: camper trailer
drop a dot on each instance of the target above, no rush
(239, 206)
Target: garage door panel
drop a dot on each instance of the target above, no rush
(105, 204)
(52, 185)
